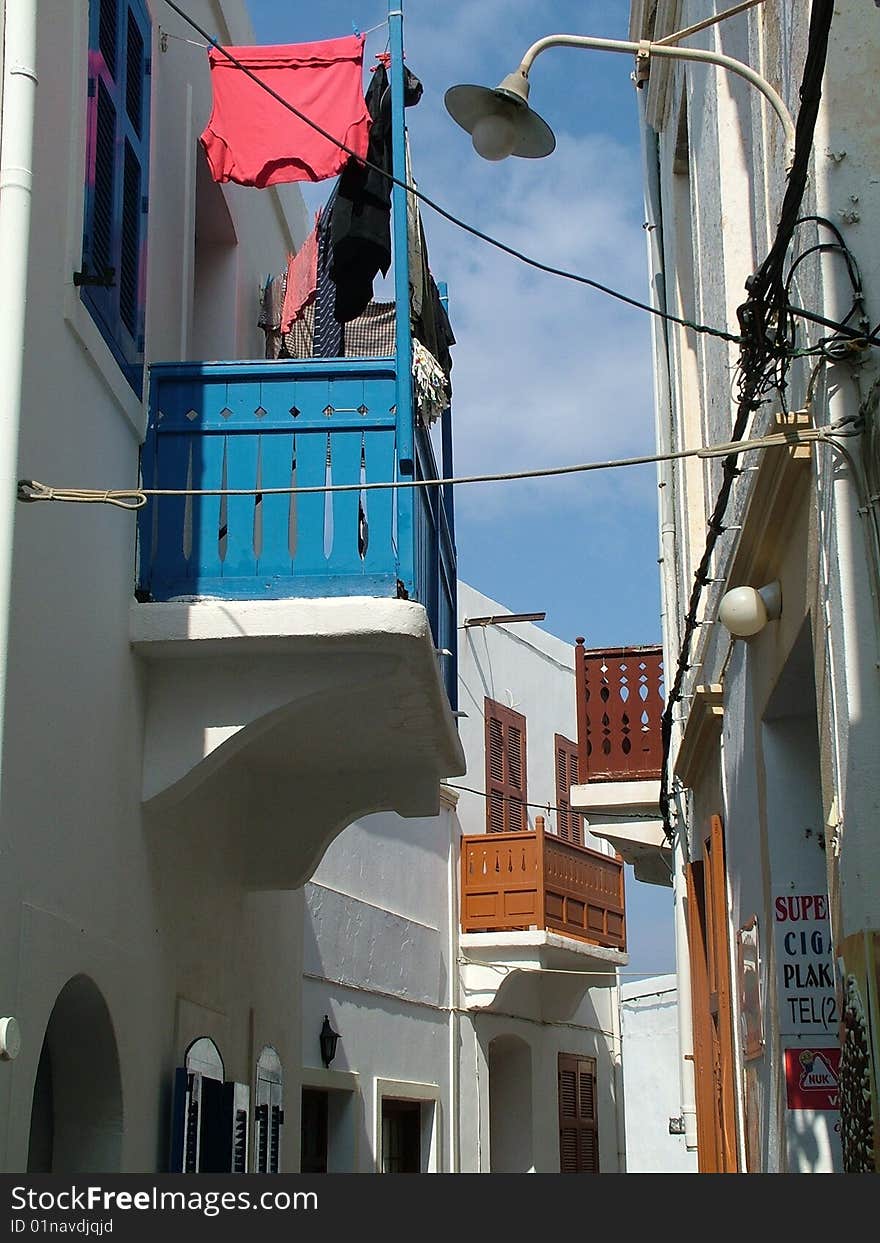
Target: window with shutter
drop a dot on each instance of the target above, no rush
(505, 769)
(578, 1124)
(268, 1112)
(569, 824)
(112, 274)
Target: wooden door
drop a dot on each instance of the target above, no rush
(709, 948)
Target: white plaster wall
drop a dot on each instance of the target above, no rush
(381, 925)
(377, 957)
(737, 179)
(152, 912)
(651, 1091)
(545, 1043)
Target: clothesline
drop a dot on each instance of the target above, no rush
(165, 35)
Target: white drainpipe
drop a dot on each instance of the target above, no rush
(454, 993)
(16, 184)
(670, 605)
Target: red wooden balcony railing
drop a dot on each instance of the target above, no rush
(619, 707)
(516, 881)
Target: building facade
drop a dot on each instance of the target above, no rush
(194, 707)
(771, 769)
(477, 1034)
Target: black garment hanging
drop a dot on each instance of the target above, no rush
(431, 326)
(360, 222)
(328, 334)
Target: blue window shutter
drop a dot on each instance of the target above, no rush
(104, 179)
(117, 178)
(108, 31)
(129, 263)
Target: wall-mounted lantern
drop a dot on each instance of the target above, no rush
(329, 1039)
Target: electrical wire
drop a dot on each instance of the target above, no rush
(441, 211)
(548, 807)
(32, 490)
(766, 320)
(872, 338)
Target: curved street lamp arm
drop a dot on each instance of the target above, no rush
(646, 50)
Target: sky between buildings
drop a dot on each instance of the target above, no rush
(546, 372)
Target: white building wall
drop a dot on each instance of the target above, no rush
(377, 959)
(651, 1091)
(381, 954)
(823, 548)
(151, 910)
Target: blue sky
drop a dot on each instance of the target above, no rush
(545, 371)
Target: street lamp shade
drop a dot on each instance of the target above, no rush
(500, 121)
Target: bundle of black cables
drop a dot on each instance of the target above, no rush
(767, 330)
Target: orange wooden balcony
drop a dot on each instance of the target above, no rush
(619, 710)
(512, 882)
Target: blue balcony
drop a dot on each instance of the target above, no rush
(296, 626)
(262, 429)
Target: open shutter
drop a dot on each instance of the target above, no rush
(224, 1139)
(187, 1122)
(709, 954)
(578, 1126)
(569, 824)
(113, 257)
(268, 1112)
(505, 769)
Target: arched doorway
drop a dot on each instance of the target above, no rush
(76, 1115)
(510, 1106)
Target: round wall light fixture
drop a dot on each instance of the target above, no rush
(745, 611)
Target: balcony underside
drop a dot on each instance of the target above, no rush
(626, 814)
(494, 963)
(324, 710)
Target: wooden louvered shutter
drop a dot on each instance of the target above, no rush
(505, 769)
(578, 1123)
(569, 824)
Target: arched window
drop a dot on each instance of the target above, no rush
(210, 1123)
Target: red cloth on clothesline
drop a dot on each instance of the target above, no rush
(254, 140)
(302, 280)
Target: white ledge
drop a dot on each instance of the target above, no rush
(335, 707)
(492, 959)
(616, 796)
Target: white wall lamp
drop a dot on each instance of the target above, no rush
(745, 611)
(501, 123)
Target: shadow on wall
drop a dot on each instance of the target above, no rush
(76, 1116)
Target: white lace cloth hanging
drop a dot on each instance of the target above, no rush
(431, 386)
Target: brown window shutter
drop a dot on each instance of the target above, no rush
(569, 824)
(505, 769)
(578, 1124)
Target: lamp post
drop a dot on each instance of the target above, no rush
(501, 123)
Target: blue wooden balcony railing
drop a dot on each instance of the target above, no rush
(259, 426)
